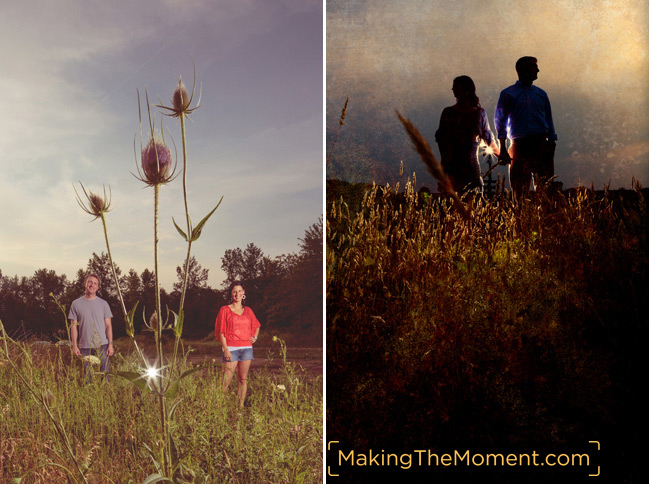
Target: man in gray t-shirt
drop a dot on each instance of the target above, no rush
(91, 330)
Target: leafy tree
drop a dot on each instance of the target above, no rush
(257, 271)
(132, 288)
(312, 243)
(45, 282)
(46, 314)
(247, 265)
(285, 291)
(76, 288)
(297, 301)
(197, 277)
(201, 301)
(14, 305)
(26, 308)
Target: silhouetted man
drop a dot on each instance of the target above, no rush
(523, 114)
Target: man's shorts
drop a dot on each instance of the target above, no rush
(240, 354)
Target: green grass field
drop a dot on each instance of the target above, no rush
(277, 438)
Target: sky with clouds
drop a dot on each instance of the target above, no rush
(69, 75)
(386, 55)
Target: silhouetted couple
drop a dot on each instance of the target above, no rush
(523, 114)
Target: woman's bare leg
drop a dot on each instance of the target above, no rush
(228, 372)
(242, 375)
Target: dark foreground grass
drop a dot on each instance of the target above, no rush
(521, 328)
(277, 438)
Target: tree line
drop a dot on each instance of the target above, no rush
(285, 292)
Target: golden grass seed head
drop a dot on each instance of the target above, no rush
(344, 113)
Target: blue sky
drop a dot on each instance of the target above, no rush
(70, 70)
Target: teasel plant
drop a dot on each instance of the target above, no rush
(156, 166)
(180, 108)
(154, 173)
(155, 169)
(98, 206)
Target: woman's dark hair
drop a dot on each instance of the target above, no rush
(235, 283)
(466, 83)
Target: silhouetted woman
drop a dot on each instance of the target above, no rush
(461, 128)
(237, 329)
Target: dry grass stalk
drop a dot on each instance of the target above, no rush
(344, 113)
(341, 122)
(433, 165)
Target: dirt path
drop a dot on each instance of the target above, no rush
(308, 358)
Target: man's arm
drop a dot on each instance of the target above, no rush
(548, 116)
(74, 336)
(109, 335)
(501, 116)
(504, 157)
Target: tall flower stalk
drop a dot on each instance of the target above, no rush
(181, 108)
(98, 206)
(157, 168)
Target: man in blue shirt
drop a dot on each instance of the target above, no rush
(523, 114)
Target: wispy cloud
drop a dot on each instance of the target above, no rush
(69, 93)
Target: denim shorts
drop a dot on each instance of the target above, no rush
(242, 354)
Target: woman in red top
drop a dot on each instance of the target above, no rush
(237, 329)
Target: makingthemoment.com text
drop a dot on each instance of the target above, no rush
(427, 458)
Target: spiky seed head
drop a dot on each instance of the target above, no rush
(156, 162)
(153, 321)
(97, 204)
(181, 98)
(94, 204)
